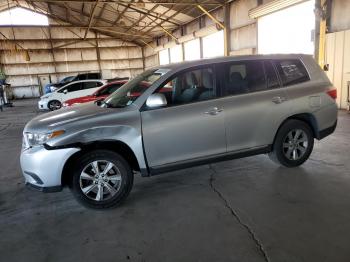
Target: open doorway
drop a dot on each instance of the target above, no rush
(290, 30)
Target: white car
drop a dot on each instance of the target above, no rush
(53, 101)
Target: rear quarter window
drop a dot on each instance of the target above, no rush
(291, 72)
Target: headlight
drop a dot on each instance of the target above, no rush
(65, 104)
(36, 139)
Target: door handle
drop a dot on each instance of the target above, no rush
(278, 99)
(214, 111)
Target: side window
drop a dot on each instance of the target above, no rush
(271, 76)
(82, 77)
(93, 76)
(291, 71)
(88, 85)
(190, 86)
(243, 77)
(72, 88)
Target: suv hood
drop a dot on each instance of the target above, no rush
(65, 116)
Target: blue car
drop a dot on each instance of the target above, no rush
(49, 88)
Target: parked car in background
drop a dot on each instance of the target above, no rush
(181, 115)
(85, 76)
(53, 101)
(118, 79)
(100, 94)
(51, 87)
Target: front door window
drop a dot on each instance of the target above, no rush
(189, 87)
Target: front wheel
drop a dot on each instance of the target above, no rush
(293, 144)
(54, 105)
(101, 179)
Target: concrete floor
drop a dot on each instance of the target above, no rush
(241, 210)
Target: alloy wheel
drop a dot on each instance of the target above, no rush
(55, 105)
(100, 180)
(295, 144)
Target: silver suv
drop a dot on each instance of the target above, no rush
(177, 116)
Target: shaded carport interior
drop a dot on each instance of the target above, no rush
(116, 38)
(241, 210)
(123, 38)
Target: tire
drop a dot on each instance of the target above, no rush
(85, 179)
(54, 105)
(296, 152)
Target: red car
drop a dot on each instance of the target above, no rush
(101, 93)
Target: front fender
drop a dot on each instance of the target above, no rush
(125, 128)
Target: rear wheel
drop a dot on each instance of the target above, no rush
(101, 179)
(293, 144)
(54, 105)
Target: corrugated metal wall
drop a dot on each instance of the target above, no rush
(151, 56)
(338, 58)
(340, 19)
(47, 58)
(243, 29)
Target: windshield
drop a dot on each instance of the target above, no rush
(128, 93)
(67, 79)
(109, 89)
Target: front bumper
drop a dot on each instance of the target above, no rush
(42, 104)
(42, 168)
(44, 189)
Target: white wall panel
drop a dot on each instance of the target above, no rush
(136, 63)
(33, 44)
(148, 51)
(74, 58)
(77, 67)
(338, 58)
(24, 69)
(151, 61)
(239, 12)
(25, 80)
(113, 43)
(26, 92)
(80, 44)
(243, 38)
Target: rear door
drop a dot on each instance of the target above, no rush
(255, 103)
(191, 126)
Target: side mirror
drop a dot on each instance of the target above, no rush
(65, 91)
(156, 100)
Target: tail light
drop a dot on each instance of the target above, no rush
(332, 93)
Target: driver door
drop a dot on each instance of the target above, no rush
(191, 127)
